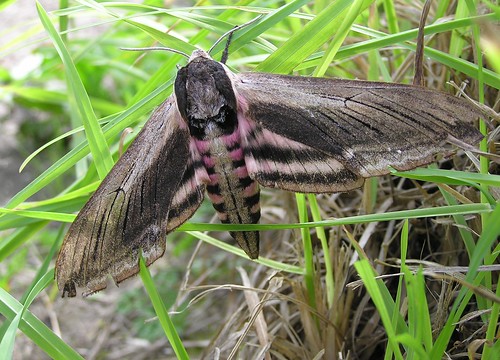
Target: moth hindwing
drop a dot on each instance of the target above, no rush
(228, 133)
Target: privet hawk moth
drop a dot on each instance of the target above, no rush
(228, 133)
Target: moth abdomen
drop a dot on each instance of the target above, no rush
(234, 195)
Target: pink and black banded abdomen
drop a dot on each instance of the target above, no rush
(234, 195)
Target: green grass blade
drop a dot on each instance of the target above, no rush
(14, 240)
(77, 94)
(354, 10)
(249, 33)
(162, 313)
(329, 276)
(451, 177)
(302, 44)
(42, 215)
(392, 215)
(373, 286)
(239, 252)
(7, 343)
(308, 250)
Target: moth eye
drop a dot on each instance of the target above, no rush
(220, 117)
(197, 123)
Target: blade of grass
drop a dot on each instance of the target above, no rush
(237, 251)
(302, 44)
(247, 34)
(396, 316)
(329, 276)
(354, 10)
(42, 215)
(8, 339)
(451, 177)
(78, 96)
(393, 27)
(373, 287)
(393, 215)
(419, 323)
(162, 313)
(14, 240)
(308, 251)
(491, 332)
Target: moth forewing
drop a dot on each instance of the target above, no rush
(128, 212)
(228, 132)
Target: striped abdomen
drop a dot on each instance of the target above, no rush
(234, 195)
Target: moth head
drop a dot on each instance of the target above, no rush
(198, 53)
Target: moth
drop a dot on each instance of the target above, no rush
(227, 134)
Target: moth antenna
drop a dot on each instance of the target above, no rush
(157, 48)
(229, 35)
(225, 53)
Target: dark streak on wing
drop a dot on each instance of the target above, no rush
(128, 212)
(275, 161)
(392, 112)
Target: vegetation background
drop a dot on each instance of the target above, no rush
(431, 234)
